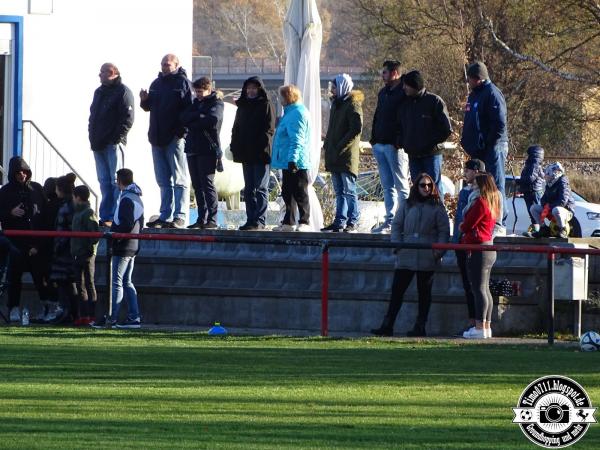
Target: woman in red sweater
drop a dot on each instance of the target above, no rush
(479, 218)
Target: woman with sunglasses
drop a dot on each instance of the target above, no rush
(479, 219)
(421, 219)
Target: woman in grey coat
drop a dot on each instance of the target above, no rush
(421, 219)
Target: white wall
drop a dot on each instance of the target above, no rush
(63, 53)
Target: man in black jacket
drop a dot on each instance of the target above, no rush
(22, 203)
(392, 162)
(111, 118)
(169, 95)
(128, 218)
(423, 125)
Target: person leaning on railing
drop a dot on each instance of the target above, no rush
(422, 219)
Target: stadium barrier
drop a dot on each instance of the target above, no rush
(325, 244)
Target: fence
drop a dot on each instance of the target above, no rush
(325, 245)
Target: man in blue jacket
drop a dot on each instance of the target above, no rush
(170, 94)
(485, 134)
(111, 118)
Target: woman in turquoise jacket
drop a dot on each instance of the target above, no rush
(291, 154)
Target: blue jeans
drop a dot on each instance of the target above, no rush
(108, 161)
(171, 173)
(495, 160)
(346, 200)
(256, 192)
(392, 164)
(431, 165)
(122, 268)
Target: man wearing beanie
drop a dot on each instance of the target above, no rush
(392, 162)
(485, 135)
(423, 125)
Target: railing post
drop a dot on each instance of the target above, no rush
(109, 280)
(550, 289)
(324, 288)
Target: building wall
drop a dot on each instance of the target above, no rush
(63, 52)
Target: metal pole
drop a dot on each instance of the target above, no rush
(325, 289)
(550, 289)
(109, 281)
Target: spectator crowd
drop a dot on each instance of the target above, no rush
(410, 126)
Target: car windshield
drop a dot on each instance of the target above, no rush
(512, 186)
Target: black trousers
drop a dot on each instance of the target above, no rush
(461, 260)
(295, 186)
(19, 263)
(84, 278)
(479, 266)
(202, 172)
(402, 280)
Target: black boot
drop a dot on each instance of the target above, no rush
(386, 328)
(417, 331)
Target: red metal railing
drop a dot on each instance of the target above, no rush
(550, 250)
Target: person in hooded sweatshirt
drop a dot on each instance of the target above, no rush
(251, 143)
(128, 218)
(557, 201)
(342, 151)
(169, 95)
(22, 204)
(532, 182)
(203, 119)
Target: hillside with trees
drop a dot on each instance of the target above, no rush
(543, 54)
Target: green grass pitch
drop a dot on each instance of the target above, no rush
(77, 389)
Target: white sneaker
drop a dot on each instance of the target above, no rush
(284, 227)
(487, 333)
(384, 228)
(304, 227)
(474, 333)
(15, 314)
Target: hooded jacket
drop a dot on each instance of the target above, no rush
(422, 123)
(342, 142)
(168, 97)
(559, 194)
(111, 115)
(203, 119)
(485, 120)
(30, 196)
(292, 138)
(129, 218)
(254, 126)
(84, 219)
(383, 130)
(532, 175)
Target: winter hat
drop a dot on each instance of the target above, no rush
(478, 70)
(553, 168)
(553, 172)
(343, 84)
(414, 79)
(475, 164)
(535, 150)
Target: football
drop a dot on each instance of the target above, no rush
(590, 341)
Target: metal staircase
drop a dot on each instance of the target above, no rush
(46, 161)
